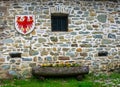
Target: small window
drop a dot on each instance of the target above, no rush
(59, 22)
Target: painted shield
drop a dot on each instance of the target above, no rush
(24, 23)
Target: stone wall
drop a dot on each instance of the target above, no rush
(93, 36)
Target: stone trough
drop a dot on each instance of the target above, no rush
(41, 72)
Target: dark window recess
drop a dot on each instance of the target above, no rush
(59, 22)
(102, 53)
(13, 55)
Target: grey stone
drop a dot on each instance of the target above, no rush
(71, 54)
(106, 41)
(48, 58)
(79, 12)
(26, 73)
(86, 45)
(31, 8)
(26, 59)
(85, 14)
(74, 45)
(33, 52)
(102, 18)
(118, 22)
(64, 45)
(41, 40)
(89, 27)
(5, 67)
(84, 32)
(12, 61)
(90, 18)
(77, 8)
(34, 3)
(32, 64)
(6, 41)
(40, 59)
(14, 74)
(73, 33)
(97, 36)
(113, 36)
(88, 58)
(83, 54)
(54, 39)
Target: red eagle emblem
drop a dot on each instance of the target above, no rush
(24, 23)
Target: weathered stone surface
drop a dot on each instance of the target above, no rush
(2, 60)
(59, 71)
(26, 59)
(92, 13)
(33, 52)
(41, 40)
(79, 49)
(5, 41)
(97, 36)
(32, 64)
(14, 74)
(113, 36)
(63, 58)
(83, 54)
(73, 33)
(48, 58)
(26, 73)
(44, 52)
(71, 54)
(106, 41)
(86, 45)
(5, 67)
(84, 32)
(54, 39)
(74, 45)
(65, 49)
(102, 18)
(12, 61)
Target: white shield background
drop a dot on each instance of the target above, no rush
(19, 30)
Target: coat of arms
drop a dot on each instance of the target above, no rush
(24, 23)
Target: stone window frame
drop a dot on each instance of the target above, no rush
(59, 15)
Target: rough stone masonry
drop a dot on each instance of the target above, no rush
(93, 36)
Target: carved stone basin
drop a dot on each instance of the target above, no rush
(41, 72)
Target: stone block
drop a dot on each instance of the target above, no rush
(102, 18)
(54, 39)
(41, 40)
(106, 41)
(63, 58)
(6, 41)
(32, 64)
(2, 60)
(48, 58)
(5, 67)
(97, 36)
(83, 54)
(86, 45)
(74, 45)
(79, 50)
(33, 52)
(113, 36)
(26, 59)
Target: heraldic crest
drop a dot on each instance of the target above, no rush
(24, 23)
